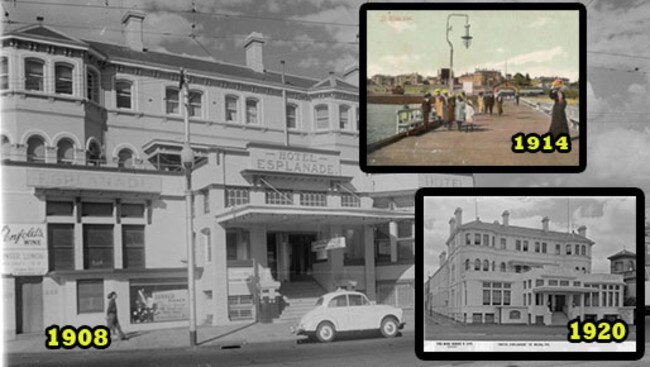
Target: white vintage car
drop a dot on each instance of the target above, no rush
(343, 311)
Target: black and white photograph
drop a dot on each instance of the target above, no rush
(510, 273)
(181, 184)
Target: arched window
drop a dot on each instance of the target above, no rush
(171, 101)
(486, 265)
(568, 249)
(477, 264)
(196, 98)
(125, 158)
(292, 116)
(344, 117)
(515, 315)
(93, 154)
(35, 149)
(322, 117)
(231, 108)
(584, 250)
(467, 264)
(65, 151)
(493, 265)
(92, 85)
(503, 267)
(63, 78)
(4, 73)
(34, 74)
(6, 145)
(252, 111)
(124, 94)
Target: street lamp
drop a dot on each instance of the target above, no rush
(467, 41)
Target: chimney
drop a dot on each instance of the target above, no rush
(442, 257)
(545, 224)
(253, 46)
(582, 230)
(452, 226)
(132, 29)
(459, 217)
(506, 218)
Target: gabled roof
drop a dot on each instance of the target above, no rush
(622, 253)
(334, 82)
(524, 231)
(45, 33)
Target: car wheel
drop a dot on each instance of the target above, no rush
(325, 332)
(389, 327)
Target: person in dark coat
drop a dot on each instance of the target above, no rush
(517, 98)
(489, 102)
(451, 107)
(559, 122)
(500, 104)
(111, 317)
(426, 110)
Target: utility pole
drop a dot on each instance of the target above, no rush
(284, 107)
(187, 157)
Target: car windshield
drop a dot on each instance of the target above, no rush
(319, 301)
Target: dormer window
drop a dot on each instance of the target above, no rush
(34, 74)
(63, 78)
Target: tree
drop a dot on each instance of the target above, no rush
(519, 79)
(528, 78)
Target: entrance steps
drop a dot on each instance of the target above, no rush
(559, 318)
(301, 297)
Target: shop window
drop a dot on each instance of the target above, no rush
(89, 209)
(133, 246)
(344, 117)
(279, 197)
(62, 208)
(158, 300)
(123, 94)
(515, 315)
(237, 244)
(65, 151)
(489, 318)
(231, 108)
(63, 78)
(322, 117)
(477, 318)
(125, 158)
(292, 116)
(171, 101)
(98, 246)
(196, 99)
(36, 149)
(128, 210)
(90, 296)
(405, 229)
(240, 307)
(349, 200)
(34, 74)
(4, 73)
(237, 196)
(92, 85)
(405, 251)
(252, 111)
(313, 199)
(60, 238)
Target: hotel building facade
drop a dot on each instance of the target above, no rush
(93, 188)
(505, 274)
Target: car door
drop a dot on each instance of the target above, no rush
(337, 311)
(361, 313)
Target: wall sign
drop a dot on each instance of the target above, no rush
(328, 244)
(24, 249)
(282, 160)
(93, 181)
(441, 180)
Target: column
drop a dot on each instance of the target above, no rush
(335, 257)
(620, 296)
(78, 237)
(50, 154)
(582, 306)
(369, 257)
(220, 281)
(118, 258)
(258, 244)
(80, 156)
(392, 231)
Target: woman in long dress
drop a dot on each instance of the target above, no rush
(559, 123)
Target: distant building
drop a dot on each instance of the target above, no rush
(546, 81)
(412, 79)
(505, 274)
(624, 263)
(487, 78)
(383, 80)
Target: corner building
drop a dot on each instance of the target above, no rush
(93, 186)
(505, 274)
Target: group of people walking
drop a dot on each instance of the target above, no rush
(449, 108)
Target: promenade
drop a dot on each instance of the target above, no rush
(488, 145)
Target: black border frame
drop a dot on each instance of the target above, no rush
(363, 103)
(548, 192)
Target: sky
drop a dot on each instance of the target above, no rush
(610, 221)
(541, 43)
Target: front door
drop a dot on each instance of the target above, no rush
(29, 305)
(302, 257)
(560, 301)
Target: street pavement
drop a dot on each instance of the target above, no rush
(490, 144)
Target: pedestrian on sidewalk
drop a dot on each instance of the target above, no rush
(469, 112)
(451, 107)
(426, 110)
(111, 317)
(559, 123)
(439, 102)
(500, 104)
(489, 102)
(460, 110)
(481, 102)
(517, 98)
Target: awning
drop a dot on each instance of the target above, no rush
(563, 289)
(287, 214)
(251, 174)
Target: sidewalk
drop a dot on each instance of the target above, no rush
(208, 336)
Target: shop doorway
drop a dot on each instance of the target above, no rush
(29, 305)
(302, 257)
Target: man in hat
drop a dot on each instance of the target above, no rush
(111, 317)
